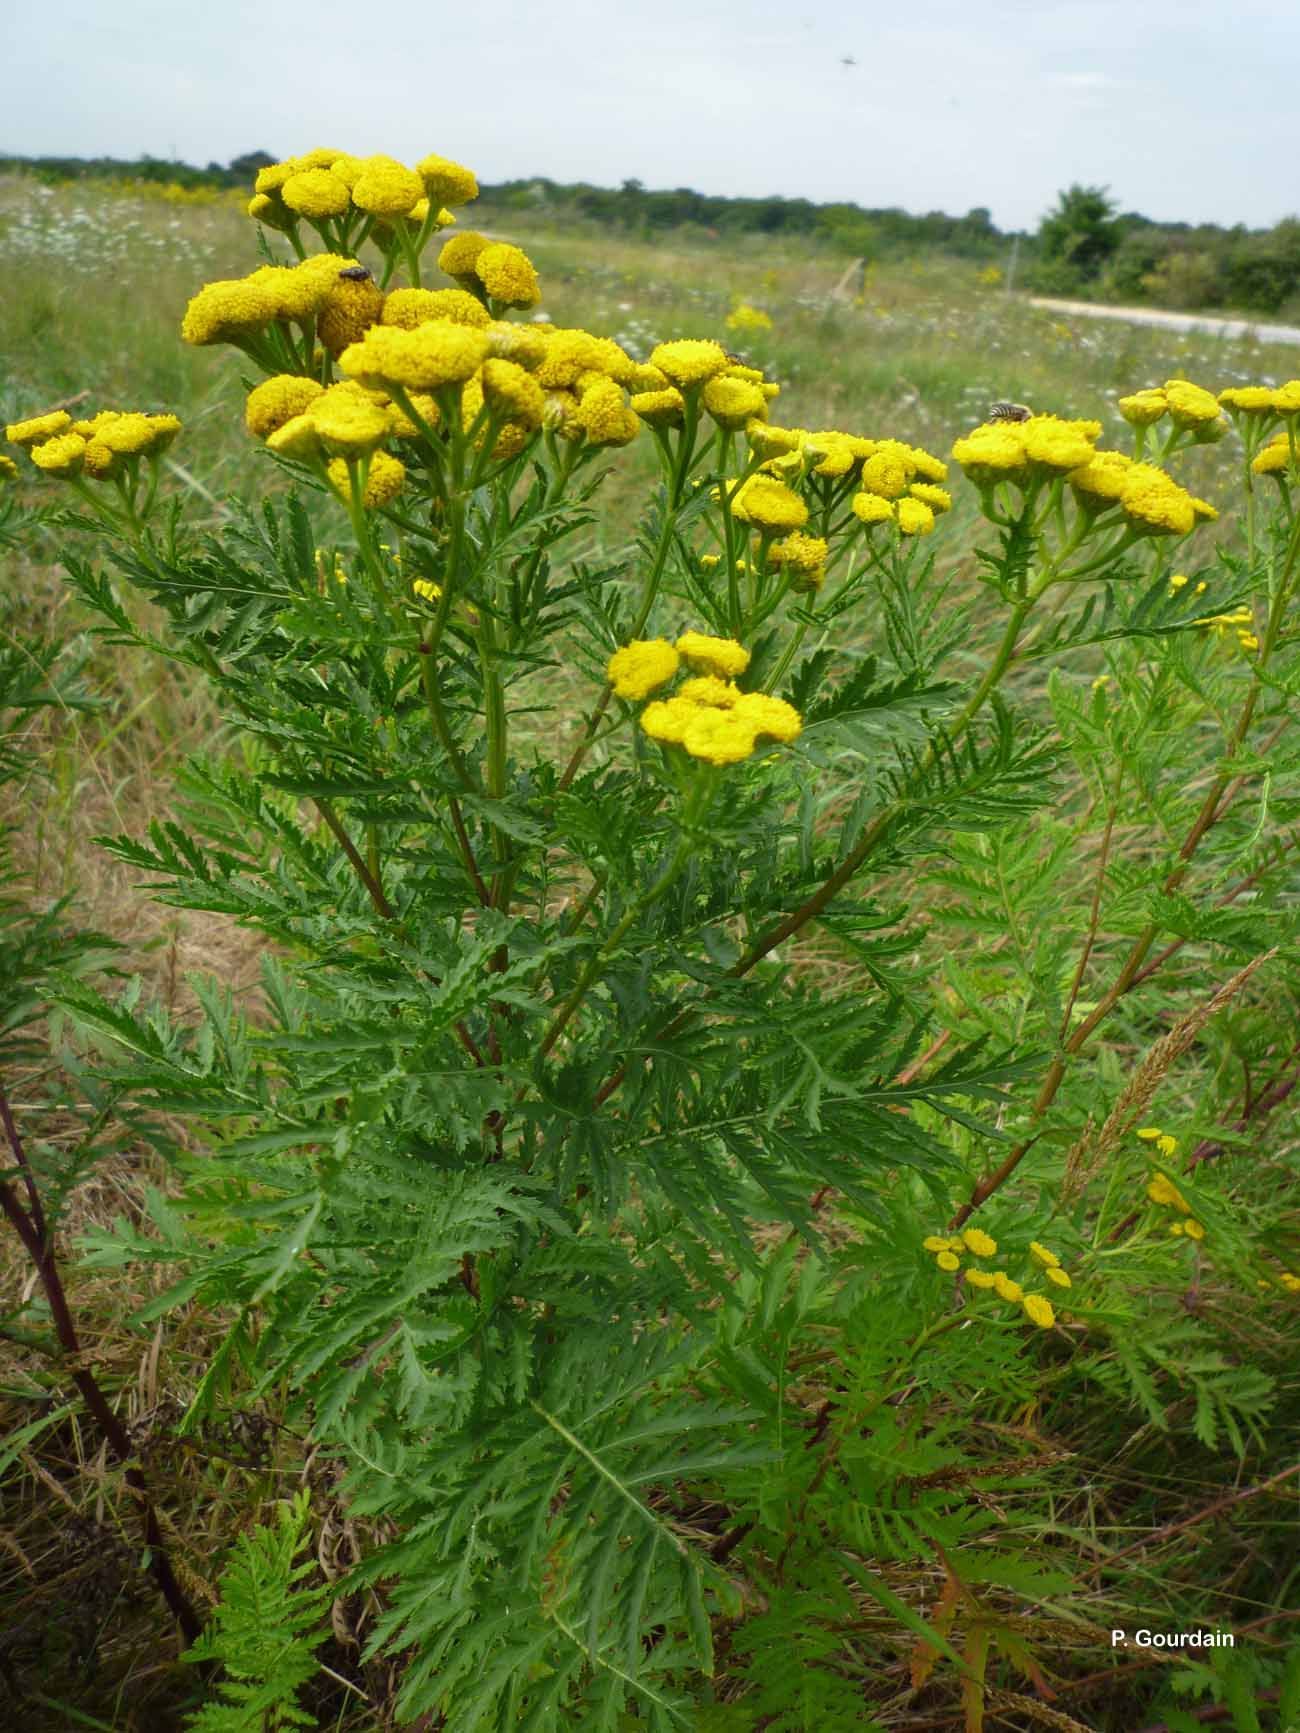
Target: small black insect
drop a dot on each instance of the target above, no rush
(1010, 412)
(356, 274)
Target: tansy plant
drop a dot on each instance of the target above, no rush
(537, 828)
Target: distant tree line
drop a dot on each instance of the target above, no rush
(1084, 246)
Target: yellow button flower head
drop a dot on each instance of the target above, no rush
(511, 391)
(871, 509)
(1143, 408)
(438, 353)
(644, 377)
(1154, 503)
(948, 1261)
(426, 590)
(1193, 1229)
(733, 402)
(769, 504)
(914, 517)
(982, 1245)
(689, 360)
(769, 441)
(1038, 1309)
(1274, 459)
(569, 354)
(347, 311)
(1290, 1282)
(8, 468)
(226, 310)
(642, 666)
(832, 454)
(1166, 1144)
(410, 308)
(62, 455)
(39, 428)
(713, 655)
(981, 1278)
(400, 424)
(446, 182)
(1056, 445)
(316, 193)
(664, 408)
(1055, 1274)
(1191, 406)
(887, 474)
(384, 478)
(992, 453)
(522, 344)
(770, 718)
(1101, 481)
(265, 209)
(1248, 399)
(459, 255)
(666, 720)
(386, 188)
(718, 736)
(137, 435)
(347, 420)
(277, 400)
(1006, 1288)
(1286, 399)
(798, 552)
(297, 438)
(1042, 1257)
(937, 1243)
(709, 689)
(1149, 1133)
(508, 275)
(927, 466)
(603, 416)
(937, 498)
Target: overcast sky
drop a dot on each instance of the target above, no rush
(1187, 109)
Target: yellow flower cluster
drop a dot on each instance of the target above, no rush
(103, 446)
(743, 317)
(1162, 1190)
(1151, 500)
(1191, 408)
(322, 186)
(709, 716)
(1239, 622)
(234, 309)
(1264, 402)
(949, 1250)
(1022, 451)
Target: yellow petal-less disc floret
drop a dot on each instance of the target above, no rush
(1191, 406)
(872, 509)
(348, 422)
(665, 408)
(718, 736)
(1274, 459)
(1144, 408)
(522, 344)
(513, 392)
(409, 308)
(508, 275)
(277, 400)
(709, 689)
(768, 504)
(937, 498)
(689, 360)
(937, 1243)
(733, 402)
(770, 718)
(914, 517)
(386, 187)
(603, 416)
(981, 1278)
(1006, 1288)
(62, 455)
(1162, 1190)
(316, 193)
(1249, 399)
(886, 474)
(948, 1261)
(435, 354)
(1286, 398)
(667, 719)
(710, 655)
(1101, 481)
(992, 453)
(1058, 1276)
(641, 667)
(799, 552)
(384, 478)
(347, 311)
(460, 253)
(982, 1245)
(446, 182)
(1038, 1309)
(38, 428)
(1057, 445)
(1154, 504)
(8, 468)
(769, 441)
(1045, 1259)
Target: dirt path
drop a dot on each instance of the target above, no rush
(1214, 327)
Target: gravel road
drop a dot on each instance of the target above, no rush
(1173, 321)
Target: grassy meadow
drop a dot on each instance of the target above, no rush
(93, 283)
